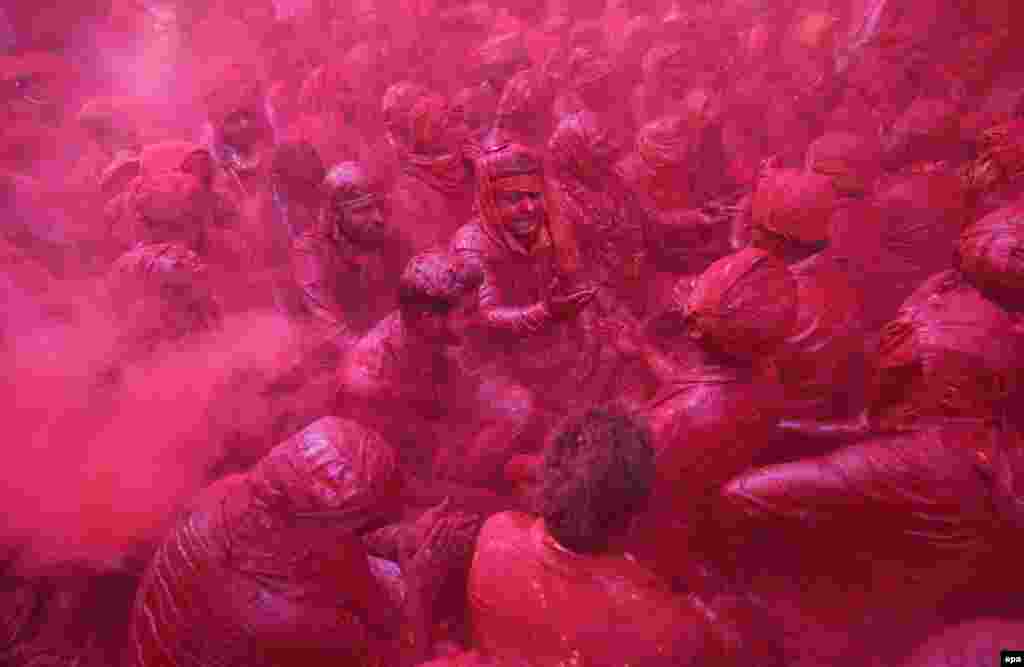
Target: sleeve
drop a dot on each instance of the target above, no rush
(510, 319)
(918, 488)
(469, 245)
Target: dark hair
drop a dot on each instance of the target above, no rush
(434, 280)
(597, 472)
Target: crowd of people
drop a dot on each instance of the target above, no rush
(512, 332)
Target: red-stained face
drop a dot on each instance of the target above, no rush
(520, 202)
(366, 224)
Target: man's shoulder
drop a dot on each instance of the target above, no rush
(505, 530)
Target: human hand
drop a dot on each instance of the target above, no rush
(567, 305)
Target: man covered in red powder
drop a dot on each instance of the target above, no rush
(432, 196)
(401, 380)
(821, 364)
(529, 297)
(608, 220)
(348, 264)
(715, 412)
(162, 297)
(330, 114)
(269, 567)
(917, 508)
(660, 168)
(559, 588)
(241, 140)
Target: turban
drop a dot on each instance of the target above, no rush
(950, 352)
(579, 140)
(743, 305)
(990, 252)
(1002, 157)
(794, 204)
(526, 94)
(331, 465)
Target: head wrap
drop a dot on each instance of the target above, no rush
(431, 157)
(396, 106)
(794, 204)
(666, 143)
(990, 253)
(579, 145)
(849, 160)
(950, 352)
(1002, 158)
(743, 305)
(508, 161)
(237, 87)
(333, 465)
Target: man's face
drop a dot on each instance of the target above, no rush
(365, 224)
(521, 208)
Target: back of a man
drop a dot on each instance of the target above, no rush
(529, 593)
(558, 589)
